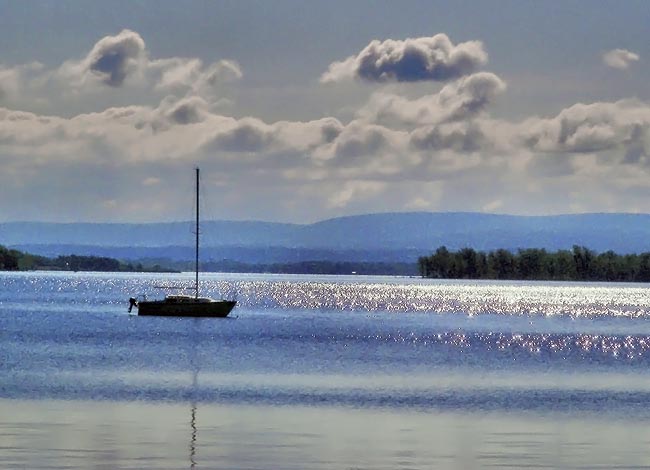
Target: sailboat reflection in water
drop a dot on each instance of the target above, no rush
(195, 383)
(186, 305)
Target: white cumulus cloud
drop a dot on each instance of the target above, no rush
(440, 150)
(590, 128)
(191, 75)
(119, 62)
(324, 166)
(458, 100)
(433, 58)
(619, 58)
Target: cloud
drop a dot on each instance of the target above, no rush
(415, 59)
(354, 191)
(10, 82)
(471, 95)
(114, 57)
(191, 75)
(459, 100)
(463, 138)
(248, 135)
(221, 71)
(19, 80)
(110, 62)
(117, 160)
(360, 142)
(591, 128)
(440, 151)
(619, 58)
(120, 62)
(188, 110)
(254, 135)
(175, 73)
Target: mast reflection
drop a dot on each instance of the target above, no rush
(194, 365)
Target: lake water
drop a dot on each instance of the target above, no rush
(324, 373)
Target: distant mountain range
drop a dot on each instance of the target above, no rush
(374, 237)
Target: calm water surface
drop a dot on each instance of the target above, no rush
(324, 373)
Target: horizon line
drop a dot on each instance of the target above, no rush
(366, 214)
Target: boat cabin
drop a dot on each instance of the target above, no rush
(181, 299)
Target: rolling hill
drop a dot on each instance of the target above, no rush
(372, 237)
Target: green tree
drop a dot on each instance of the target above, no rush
(531, 264)
(469, 262)
(501, 264)
(579, 264)
(583, 258)
(561, 266)
(643, 273)
(440, 264)
(8, 259)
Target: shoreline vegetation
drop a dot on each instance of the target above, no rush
(14, 260)
(578, 264)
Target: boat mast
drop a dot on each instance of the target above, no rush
(196, 263)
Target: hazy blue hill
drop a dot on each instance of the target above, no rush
(403, 230)
(619, 232)
(388, 236)
(145, 235)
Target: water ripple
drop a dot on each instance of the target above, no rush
(365, 294)
(578, 301)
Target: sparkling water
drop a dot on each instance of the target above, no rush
(323, 372)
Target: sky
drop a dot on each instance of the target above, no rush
(299, 111)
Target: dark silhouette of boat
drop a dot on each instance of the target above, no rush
(186, 305)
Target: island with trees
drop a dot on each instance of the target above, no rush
(578, 264)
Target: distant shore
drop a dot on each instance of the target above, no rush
(578, 264)
(14, 260)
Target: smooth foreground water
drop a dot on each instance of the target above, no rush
(324, 373)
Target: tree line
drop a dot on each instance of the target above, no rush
(578, 264)
(14, 260)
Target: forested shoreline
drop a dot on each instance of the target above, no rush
(578, 264)
(14, 260)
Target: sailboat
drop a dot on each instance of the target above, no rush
(186, 305)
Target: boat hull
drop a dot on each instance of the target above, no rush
(214, 309)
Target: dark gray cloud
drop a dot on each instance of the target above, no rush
(415, 59)
(331, 130)
(188, 111)
(113, 57)
(248, 135)
(360, 142)
(637, 150)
